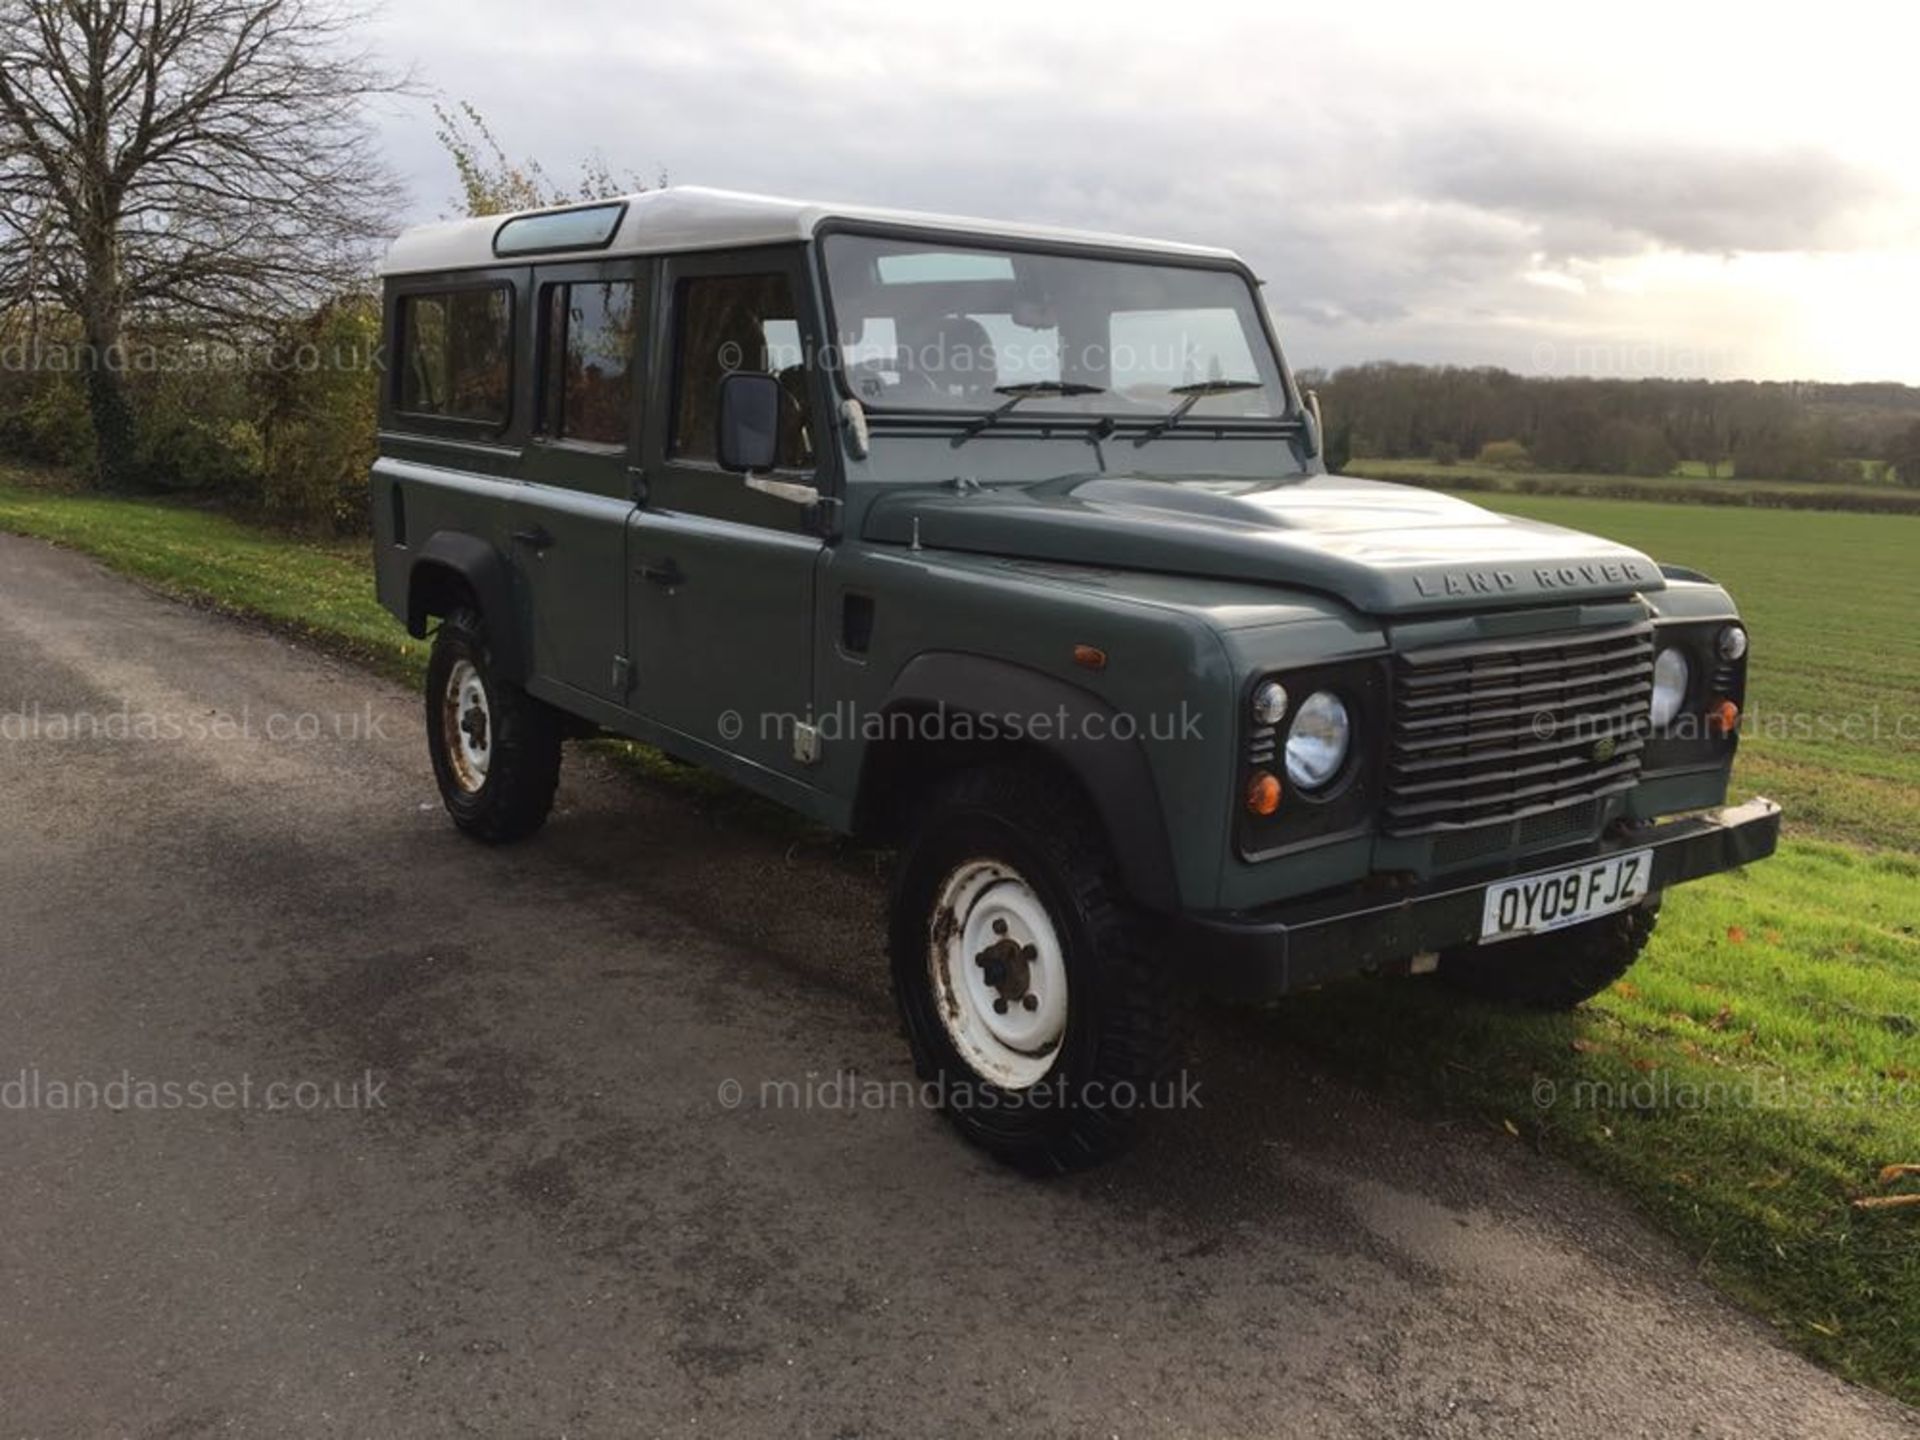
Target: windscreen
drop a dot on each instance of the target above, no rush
(928, 326)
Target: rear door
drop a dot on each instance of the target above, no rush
(567, 529)
(722, 594)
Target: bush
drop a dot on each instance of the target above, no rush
(1339, 453)
(50, 422)
(1505, 455)
(215, 452)
(1903, 455)
(291, 438)
(1445, 452)
(321, 402)
(43, 399)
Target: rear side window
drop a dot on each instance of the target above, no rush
(456, 349)
(587, 378)
(737, 322)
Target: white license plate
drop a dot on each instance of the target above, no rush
(1555, 899)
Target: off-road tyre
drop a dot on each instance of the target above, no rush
(1122, 1037)
(505, 792)
(1555, 971)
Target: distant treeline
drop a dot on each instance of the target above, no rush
(1736, 428)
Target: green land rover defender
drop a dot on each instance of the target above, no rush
(1014, 548)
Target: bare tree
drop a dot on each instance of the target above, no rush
(192, 166)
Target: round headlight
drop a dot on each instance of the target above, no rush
(1270, 703)
(1670, 674)
(1733, 643)
(1318, 740)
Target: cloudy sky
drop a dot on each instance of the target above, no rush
(1723, 190)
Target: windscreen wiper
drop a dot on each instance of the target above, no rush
(1015, 395)
(1192, 395)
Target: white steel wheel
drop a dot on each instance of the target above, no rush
(467, 722)
(999, 974)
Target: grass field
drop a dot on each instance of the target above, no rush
(1691, 486)
(1752, 1075)
(1833, 604)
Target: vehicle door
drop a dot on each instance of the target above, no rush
(722, 585)
(567, 527)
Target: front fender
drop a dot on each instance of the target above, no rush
(1113, 771)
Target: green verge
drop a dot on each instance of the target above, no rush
(321, 592)
(1747, 1081)
(1745, 1085)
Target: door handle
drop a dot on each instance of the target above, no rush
(665, 572)
(535, 539)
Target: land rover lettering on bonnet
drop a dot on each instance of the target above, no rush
(839, 502)
(1439, 583)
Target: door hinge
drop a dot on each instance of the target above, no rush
(622, 675)
(806, 744)
(823, 517)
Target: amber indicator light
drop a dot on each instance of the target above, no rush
(1263, 793)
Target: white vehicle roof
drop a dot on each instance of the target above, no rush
(688, 217)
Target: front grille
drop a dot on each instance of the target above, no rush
(1544, 825)
(1484, 733)
(1459, 846)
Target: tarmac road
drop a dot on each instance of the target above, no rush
(510, 1195)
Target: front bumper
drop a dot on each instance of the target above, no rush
(1266, 953)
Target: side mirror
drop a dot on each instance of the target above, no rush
(749, 438)
(1319, 445)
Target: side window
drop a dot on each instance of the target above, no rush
(586, 371)
(737, 322)
(456, 350)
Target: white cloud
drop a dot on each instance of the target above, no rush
(1730, 186)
